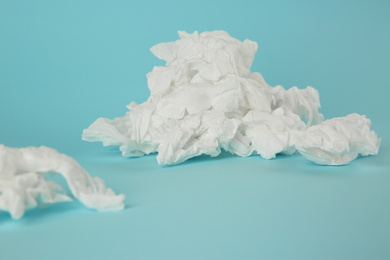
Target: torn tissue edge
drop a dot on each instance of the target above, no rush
(23, 185)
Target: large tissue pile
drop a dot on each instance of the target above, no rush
(23, 185)
(206, 99)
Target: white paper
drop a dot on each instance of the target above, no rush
(23, 185)
(338, 141)
(206, 99)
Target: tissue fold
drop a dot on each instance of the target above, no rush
(206, 99)
(338, 141)
(23, 185)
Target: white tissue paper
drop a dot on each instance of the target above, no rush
(206, 99)
(338, 141)
(23, 185)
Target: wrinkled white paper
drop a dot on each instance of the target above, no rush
(23, 185)
(206, 99)
(338, 141)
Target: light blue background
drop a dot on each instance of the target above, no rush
(63, 64)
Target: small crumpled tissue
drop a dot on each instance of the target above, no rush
(338, 141)
(23, 185)
(206, 99)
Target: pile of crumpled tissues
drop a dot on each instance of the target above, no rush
(206, 99)
(23, 185)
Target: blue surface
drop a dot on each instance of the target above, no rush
(65, 63)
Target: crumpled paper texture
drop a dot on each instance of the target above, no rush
(206, 99)
(338, 141)
(23, 185)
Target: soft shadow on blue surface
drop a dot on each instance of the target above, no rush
(38, 215)
(204, 158)
(55, 212)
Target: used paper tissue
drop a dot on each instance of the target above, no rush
(206, 99)
(23, 185)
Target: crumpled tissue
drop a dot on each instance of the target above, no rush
(206, 99)
(23, 185)
(338, 141)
